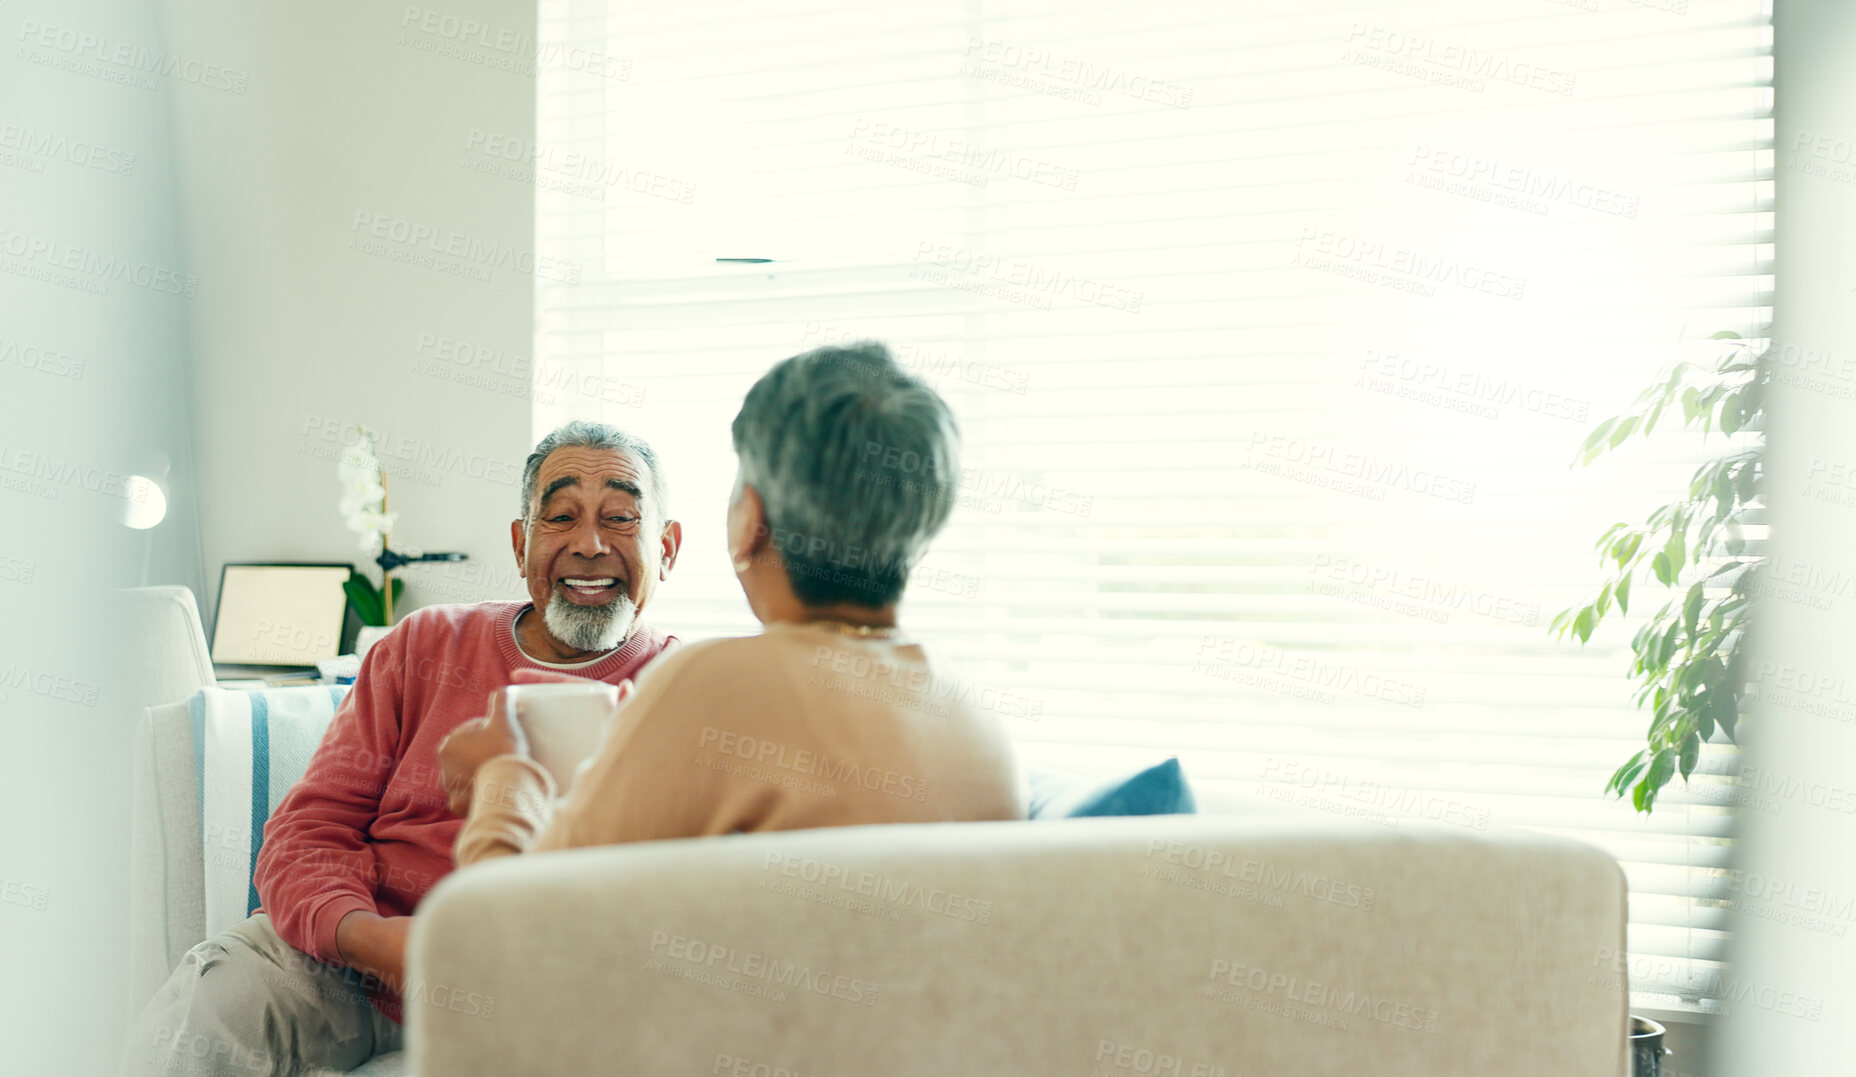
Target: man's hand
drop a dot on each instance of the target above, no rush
(375, 945)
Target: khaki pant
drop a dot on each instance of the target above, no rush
(247, 1003)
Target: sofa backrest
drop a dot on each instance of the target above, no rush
(1161, 945)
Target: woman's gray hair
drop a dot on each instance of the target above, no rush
(588, 434)
(857, 463)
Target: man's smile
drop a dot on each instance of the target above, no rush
(590, 590)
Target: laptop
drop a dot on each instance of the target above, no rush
(274, 618)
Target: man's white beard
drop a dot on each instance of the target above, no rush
(590, 628)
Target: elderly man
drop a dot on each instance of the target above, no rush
(312, 980)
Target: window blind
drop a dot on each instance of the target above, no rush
(1272, 329)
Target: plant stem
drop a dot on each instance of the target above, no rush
(386, 577)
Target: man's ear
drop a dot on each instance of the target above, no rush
(518, 537)
(673, 541)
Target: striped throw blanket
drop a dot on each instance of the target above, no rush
(249, 748)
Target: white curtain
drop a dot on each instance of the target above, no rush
(1272, 328)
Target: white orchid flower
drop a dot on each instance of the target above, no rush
(364, 494)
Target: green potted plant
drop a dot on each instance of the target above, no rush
(1689, 659)
(368, 602)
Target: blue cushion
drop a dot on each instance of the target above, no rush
(1158, 790)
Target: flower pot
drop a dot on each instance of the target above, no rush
(1646, 1047)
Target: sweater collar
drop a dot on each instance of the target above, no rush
(644, 642)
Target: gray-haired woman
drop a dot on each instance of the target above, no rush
(831, 716)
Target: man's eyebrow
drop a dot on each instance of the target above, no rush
(566, 481)
(556, 486)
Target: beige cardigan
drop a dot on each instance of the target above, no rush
(797, 727)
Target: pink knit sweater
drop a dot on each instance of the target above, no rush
(367, 827)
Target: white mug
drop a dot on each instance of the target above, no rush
(564, 723)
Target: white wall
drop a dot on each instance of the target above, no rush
(237, 177)
(1796, 981)
(352, 118)
(93, 387)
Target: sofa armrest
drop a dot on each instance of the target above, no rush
(167, 890)
(1094, 945)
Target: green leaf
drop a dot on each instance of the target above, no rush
(1704, 722)
(1731, 417)
(365, 599)
(1594, 443)
(1583, 624)
(1662, 768)
(1624, 775)
(1622, 594)
(1664, 717)
(1691, 608)
(1665, 574)
(368, 603)
(1668, 647)
(1691, 753)
(1623, 431)
(1713, 672)
(1723, 492)
(1746, 480)
(1725, 334)
(1627, 547)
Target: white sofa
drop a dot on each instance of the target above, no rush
(172, 864)
(1248, 940)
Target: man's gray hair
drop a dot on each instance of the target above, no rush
(856, 462)
(588, 434)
